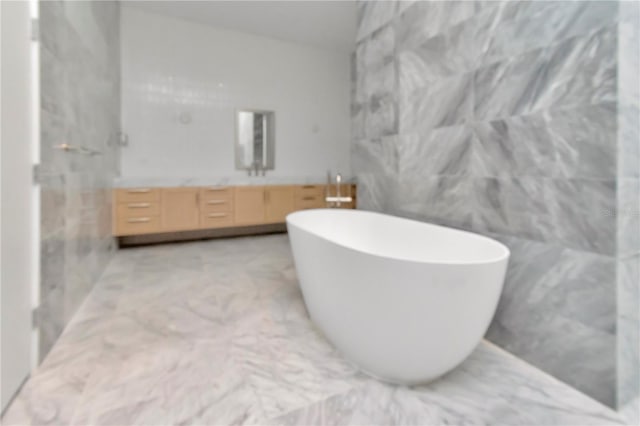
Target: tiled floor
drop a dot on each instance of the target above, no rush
(215, 332)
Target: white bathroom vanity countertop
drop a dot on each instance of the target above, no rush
(133, 182)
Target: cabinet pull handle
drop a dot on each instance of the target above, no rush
(216, 215)
(138, 220)
(139, 191)
(216, 202)
(138, 205)
(308, 186)
(308, 198)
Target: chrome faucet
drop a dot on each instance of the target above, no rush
(338, 199)
(257, 169)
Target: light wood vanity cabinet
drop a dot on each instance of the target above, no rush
(152, 210)
(180, 209)
(309, 197)
(216, 207)
(279, 202)
(136, 211)
(250, 207)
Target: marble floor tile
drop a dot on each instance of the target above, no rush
(216, 333)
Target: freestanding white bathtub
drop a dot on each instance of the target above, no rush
(404, 300)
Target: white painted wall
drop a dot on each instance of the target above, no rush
(17, 262)
(172, 67)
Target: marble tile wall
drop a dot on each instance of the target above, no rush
(628, 212)
(80, 106)
(503, 118)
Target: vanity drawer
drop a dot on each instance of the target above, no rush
(216, 219)
(140, 208)
(309, 191)
(137, 195)
(216, 199)
(216, 204)
(310, 202)
(137, 225)
(216, 192)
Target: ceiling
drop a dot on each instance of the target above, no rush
(327, 24)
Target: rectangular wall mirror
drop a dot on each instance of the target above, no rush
(255, 142)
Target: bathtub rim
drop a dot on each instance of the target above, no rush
(504, 257)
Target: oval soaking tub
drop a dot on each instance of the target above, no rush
(406, 301)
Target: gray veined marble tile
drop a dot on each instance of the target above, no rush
(290, 365)
(376, 82)
(443, 55)
(442, 151)
(378, 192)
(189, 382)
(358, 130)
(508, 88)
(576, 213)
(557, 312)
(568, 143)
(445, 103)
(441, 199)
(629, 140)
(514, 146)
(581, 70)
(557, 281)
(373, 15)
(267, 364)
(511, 206)
(376, 50)
(584, 140)
(581, 214)
(379, 156)
(425, 19)
(578, 71)
(629, 90)
(529, 28)
(381, 116)
(512, 398)
(627, 213)
(628, 332)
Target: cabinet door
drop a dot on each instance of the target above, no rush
(280, 201)
(249, 205)
(180, 209)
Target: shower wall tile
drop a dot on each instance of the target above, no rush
(381, 116)
(628, 211)
(629, 337)
(377, 49)
(80, 106)
(376, 156)
(425, 19)
(504, 118)
(443, 55)
(627, 214)
(549, 287)
(452, 98)
(578, 71)
(441, 199)
(533, 25)
(442, 151)
(568, 143)
(373, 16)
